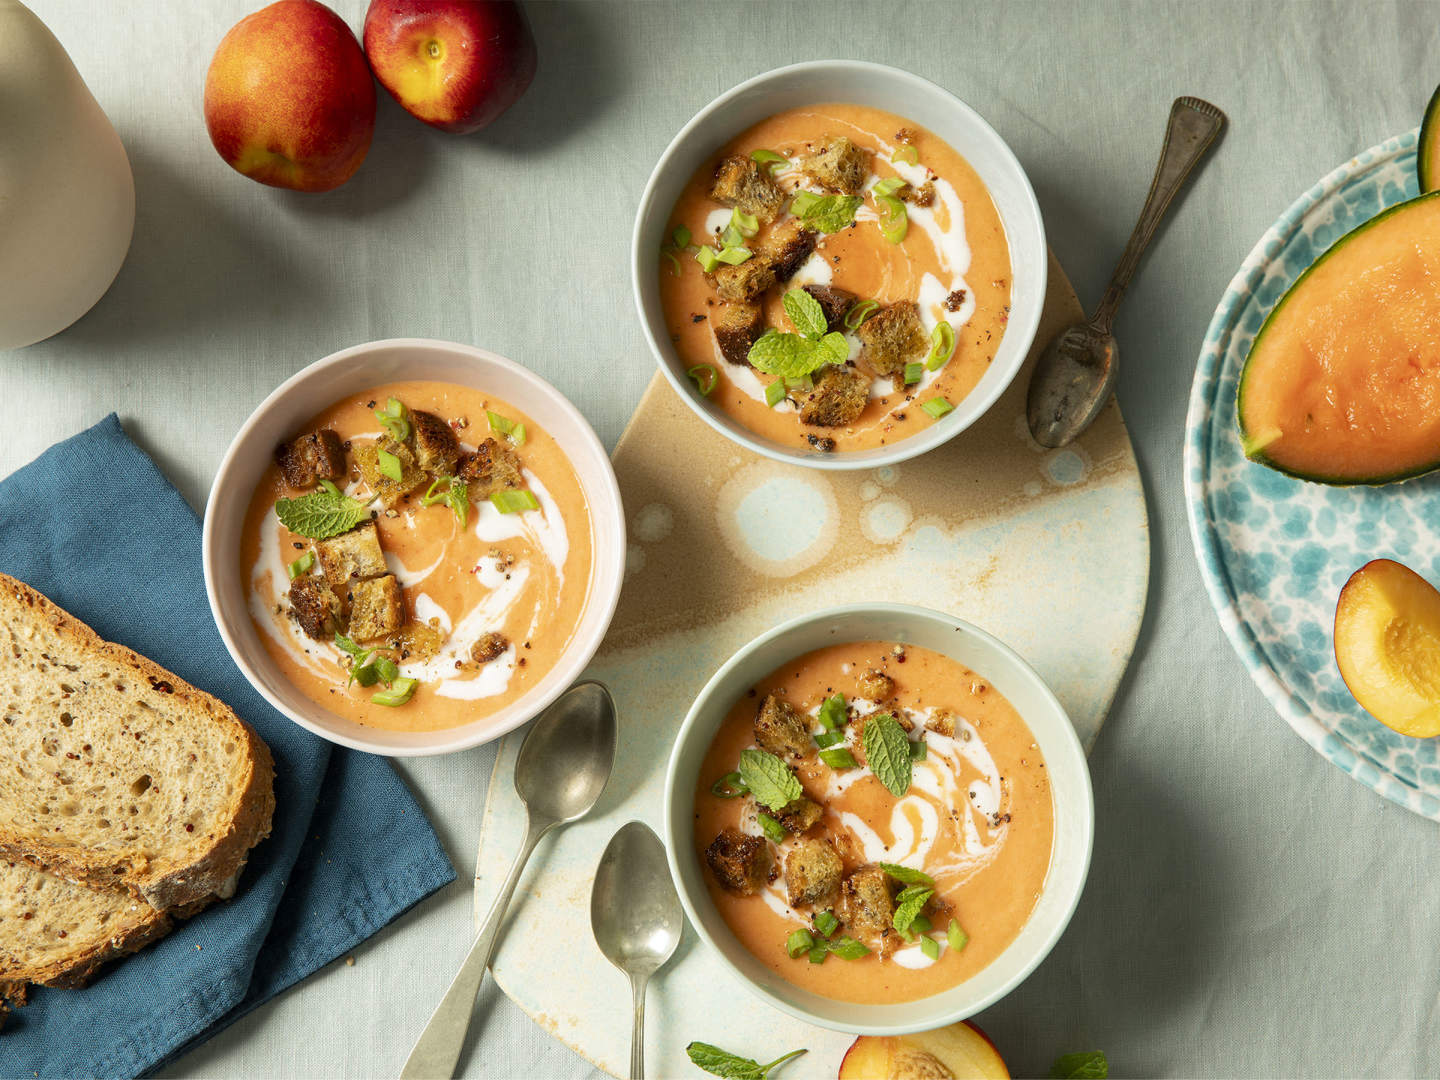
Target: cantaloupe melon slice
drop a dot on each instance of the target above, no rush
(1427, 158)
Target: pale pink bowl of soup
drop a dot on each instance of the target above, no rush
(997, 818)
(538, 584)
(972, 257)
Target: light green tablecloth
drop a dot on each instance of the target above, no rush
(1251, 911)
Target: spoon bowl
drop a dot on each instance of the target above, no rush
(566, 757)
(1080, 365)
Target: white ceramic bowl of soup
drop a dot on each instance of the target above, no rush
(916, 100)
(1037, 706)
(284, 414)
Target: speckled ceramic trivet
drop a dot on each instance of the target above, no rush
(1048, 550)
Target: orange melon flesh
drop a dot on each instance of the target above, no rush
(1342, 383)
(1387, 645)
(1427, 155)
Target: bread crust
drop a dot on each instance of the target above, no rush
(159, 881)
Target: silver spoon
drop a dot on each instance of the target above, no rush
(1075, 374)
(563, 765)
(637, 918)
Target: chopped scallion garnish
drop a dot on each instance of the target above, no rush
(803, 382)
(674, 262)
(914, 373)
(730, 786)
(708, 258)
(800, 941)
(393, 418)
(504, 426)
(942, 344)
(775, 393)
(827, 739)
(832, 712)
(937, 407)
(819, 952)
(745, 224)
(826, 923)
(847, 948)
(730, 238)
(328, 486)
(908, 154)
(681, 236)
(775, 161)
(957, 937)
(918, 750)
(929, 946)
(389, 465)
(859, 313)
(889, 186)
(771, 828)
(894, 221)
(734, 255)
(401, 691)
(301, 565)
(839, 757)
(705, 377)
(514, 502)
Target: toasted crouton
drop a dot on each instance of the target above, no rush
(314, 456)
(743, 184)
(737, 327)
(315, 607)
(489, 647)
(493, 467)
(780, 729)
(739, 862)
(353, 554)
(942, 722)
(924, 195)
(799, 814)
(812, 873)
(436, 448)
(839, 166)
(875, 685)
(866, 905)
(390, 490)
(787, 247)
(744, 283)
(377, 608)
(833, 302)
(840, 395)
(893, 337)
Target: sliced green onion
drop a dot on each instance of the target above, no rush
(957, 937)
(832, 712)
(847, 948)
(942, 344)
(708, 258)
(519, 436)
(914, 373)
(858, 313)
(918, 750)
(301, 565)
(803, 382)
(826, 923)
(839, 758)
(743, 223)
(803, 202)
(389, 464)
(894, 221)
(930, 947)
(889, 186)
(799, 942)
(819, 953)
(387, 669)
(775, 393)
(430, 498)
(329, 488)
(907, 154)
(775, 161)
(393, 419)
(674, 262)
(731, 238)
(734, 256)
(705, 377)
(401, 690)
(514, 502)
(500, 425)
(937, 407)
(827, 739)
(681, 236)
(730, 786)
(771, 828)
(921, 924)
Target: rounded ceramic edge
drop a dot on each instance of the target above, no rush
(575, 658)
(1081, 806)
(1023, 329)
(1197, 455)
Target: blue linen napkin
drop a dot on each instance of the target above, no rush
(350, 848)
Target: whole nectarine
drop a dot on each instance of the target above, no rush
(961, 1051)
(289, 100)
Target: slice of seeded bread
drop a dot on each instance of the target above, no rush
(114, 772)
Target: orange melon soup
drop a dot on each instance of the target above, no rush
(835, 278)
(876, 822)
(418, 556)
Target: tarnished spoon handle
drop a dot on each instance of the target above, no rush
(638, 983)
(438, 1049)
(1194, 127)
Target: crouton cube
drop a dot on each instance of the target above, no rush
(812, 873)
(739, 862)
(799, 814)
(893, 337)
(493, 467)
(924, 195)
(875, 685)
(746, 282)
(839, 396)
(780, 729)
(436, 448)
(315, 607)
(377, 608)
(737, 327)
(866, 905)
(489, 647)
(942, 722)
(390, 490)
(838, 166)
(787, 247)
(314, 456)
(833, 302)
(353, 554)
(743, 184)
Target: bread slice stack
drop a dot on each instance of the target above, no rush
(128, 798)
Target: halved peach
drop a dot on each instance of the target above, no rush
(958, 1052)
(1387, 644)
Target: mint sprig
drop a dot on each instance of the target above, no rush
(887, 752)
(805, 312)
(1086, 1065)
(908, 905)
(321, 514)
(730, 1066)
(905, 875)
(825, 213)
(793, 356)
(769, 779)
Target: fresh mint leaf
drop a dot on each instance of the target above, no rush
(787, 355)
(836, 345)
(908, 905)
(905, 875)
(826, 213)
(1087, 1065)
(847, 948)
(346, 645)
(769, 779)
(320, 514)
(806, 313)
(887, 752)
(730, 1066)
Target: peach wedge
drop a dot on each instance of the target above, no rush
(961, 1051)
(1387, 644)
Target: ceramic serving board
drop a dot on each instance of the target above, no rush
(1275, 551)
(1048, 550)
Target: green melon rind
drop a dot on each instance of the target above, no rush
(1427, 155)
(1258, 455)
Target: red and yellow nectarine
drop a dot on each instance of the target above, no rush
(958, 1052)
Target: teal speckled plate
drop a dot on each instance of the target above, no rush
(1275, 551)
